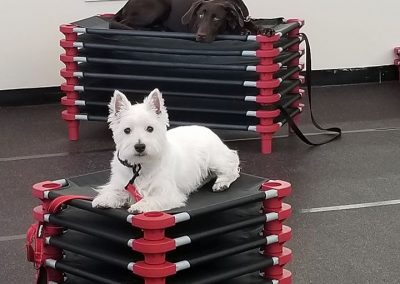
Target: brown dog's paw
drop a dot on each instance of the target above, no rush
(266, 32)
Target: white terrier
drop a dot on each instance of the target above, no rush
(172, 163)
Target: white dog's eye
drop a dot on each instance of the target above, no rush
(201, 15)
(127, 130)
(149, 129)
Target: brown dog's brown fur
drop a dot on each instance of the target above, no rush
(206, 18)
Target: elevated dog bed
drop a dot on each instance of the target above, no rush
(237, 82)
(217, 238)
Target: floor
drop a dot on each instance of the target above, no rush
(346, 194)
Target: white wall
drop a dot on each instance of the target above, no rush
(29, 38)
(343, 33)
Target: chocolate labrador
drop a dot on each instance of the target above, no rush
(206, 18)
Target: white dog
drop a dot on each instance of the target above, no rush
(172, 163)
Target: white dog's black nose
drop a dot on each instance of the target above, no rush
(140, 147)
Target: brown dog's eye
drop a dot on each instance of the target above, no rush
(127, 130)
(149, 129)
(201, 15)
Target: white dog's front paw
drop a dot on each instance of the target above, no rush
(141, 206)
(221, 185)
(109, 201)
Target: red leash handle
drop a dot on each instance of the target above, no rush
(55, 204)
(131, 188)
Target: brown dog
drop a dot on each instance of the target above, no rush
(206, 18)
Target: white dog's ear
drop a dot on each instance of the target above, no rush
(118, 103)
(155, 101)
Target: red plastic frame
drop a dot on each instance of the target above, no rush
(67, 74)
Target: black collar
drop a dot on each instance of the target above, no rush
(135, 168)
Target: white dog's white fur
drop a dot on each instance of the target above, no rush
(174, 163)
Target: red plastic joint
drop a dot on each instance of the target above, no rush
(68, 31)
(266, 132)
(66, 44)
(267, 129)
(67, 28)
(268, 99)
(284, 235)
(268, 53)
(69, 62)
(285, 278)
(276, 271)
(67, 73)
(154, 251)
(276, 226)
(271, 84)
(73, 124)
(154, 270)
(267, 68)
(68, 116)
(38, 213)
(285, 212)
(284, 188)
(67, 88)
(267, 113)
(69, 76)
(153, 224)
(285, 257)
(67, 101)
(267, 116)
(71, 94)
(69, 47)
(38, 189)
(267, 71)
(51, 230)
(66, 58)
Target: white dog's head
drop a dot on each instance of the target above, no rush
(139, 130)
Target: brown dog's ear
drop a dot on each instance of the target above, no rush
(193, 9)
(237, 14)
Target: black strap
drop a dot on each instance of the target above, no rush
(337, 132)
(135, 169)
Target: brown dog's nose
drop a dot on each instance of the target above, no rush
(201, 36)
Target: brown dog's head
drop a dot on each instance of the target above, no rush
(208, 18)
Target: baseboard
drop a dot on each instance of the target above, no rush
(345, 76)
(376, 74)
(32, 96)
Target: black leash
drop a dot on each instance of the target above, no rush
(337, 132)
(135, 170)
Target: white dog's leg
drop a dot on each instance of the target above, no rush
(154, 204)
(110, 197)
(226, 167)
(161, 199)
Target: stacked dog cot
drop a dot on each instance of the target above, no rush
(236, 82)
(397, 60)
(217, 238)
